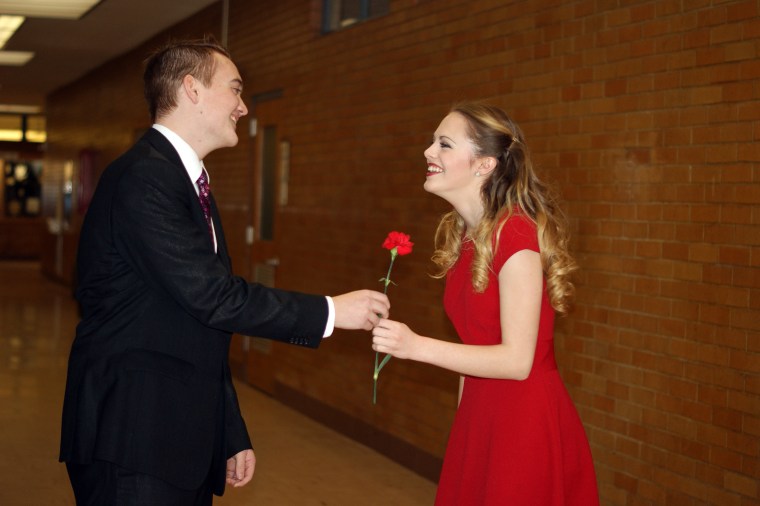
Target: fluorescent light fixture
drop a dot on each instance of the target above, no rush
(8, 26)
(10, 135)
(65, 9)
(15, 58)
(20, 109)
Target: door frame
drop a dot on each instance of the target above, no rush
(261, 255)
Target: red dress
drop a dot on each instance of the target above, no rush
(513, 443)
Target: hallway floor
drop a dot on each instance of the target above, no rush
(300, 462)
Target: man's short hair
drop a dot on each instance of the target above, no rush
(166, 67)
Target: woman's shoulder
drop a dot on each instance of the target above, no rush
(516, 232)
(517, 220)
(515, 226)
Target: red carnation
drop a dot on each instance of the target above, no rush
(400, 242)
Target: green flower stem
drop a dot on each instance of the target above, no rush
(378, 368)
(387, 277)
(374, 381)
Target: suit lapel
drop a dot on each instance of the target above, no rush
(221, 243)
(163, 148)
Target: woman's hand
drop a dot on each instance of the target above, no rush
(395, 338)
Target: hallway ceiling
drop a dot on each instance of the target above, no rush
(65, 50)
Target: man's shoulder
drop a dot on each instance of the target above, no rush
(141, 166)
(152, 146)
(152, 150)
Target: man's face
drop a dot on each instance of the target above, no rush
(222, 105)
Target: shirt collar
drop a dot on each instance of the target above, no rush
(193, 165)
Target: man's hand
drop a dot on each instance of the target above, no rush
(240, 468)
(361, 309)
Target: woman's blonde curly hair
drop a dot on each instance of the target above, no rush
(511, 187)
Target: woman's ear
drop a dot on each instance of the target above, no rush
(487, 165)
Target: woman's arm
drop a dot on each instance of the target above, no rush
(520, 289)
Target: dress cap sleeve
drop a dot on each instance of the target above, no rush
(519, 233)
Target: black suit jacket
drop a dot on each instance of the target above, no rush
(149, 385)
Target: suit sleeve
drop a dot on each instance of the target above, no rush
(158, 227)
(236, 433)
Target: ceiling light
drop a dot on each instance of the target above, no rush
(8, 26)
(15, 58)
(66, 9)
(20, 109)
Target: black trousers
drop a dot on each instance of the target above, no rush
(106, 484)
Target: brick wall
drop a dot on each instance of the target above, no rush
(646, 116)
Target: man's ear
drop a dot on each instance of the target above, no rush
(190, 88)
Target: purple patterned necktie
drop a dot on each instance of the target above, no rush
(203, 191)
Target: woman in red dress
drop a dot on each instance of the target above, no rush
(517, 439)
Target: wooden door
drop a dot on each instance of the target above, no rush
(270, 160)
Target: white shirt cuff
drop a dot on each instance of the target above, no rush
(330, 327)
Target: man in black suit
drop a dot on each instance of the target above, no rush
(150, 413)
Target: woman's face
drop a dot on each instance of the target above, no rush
(451, 161)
